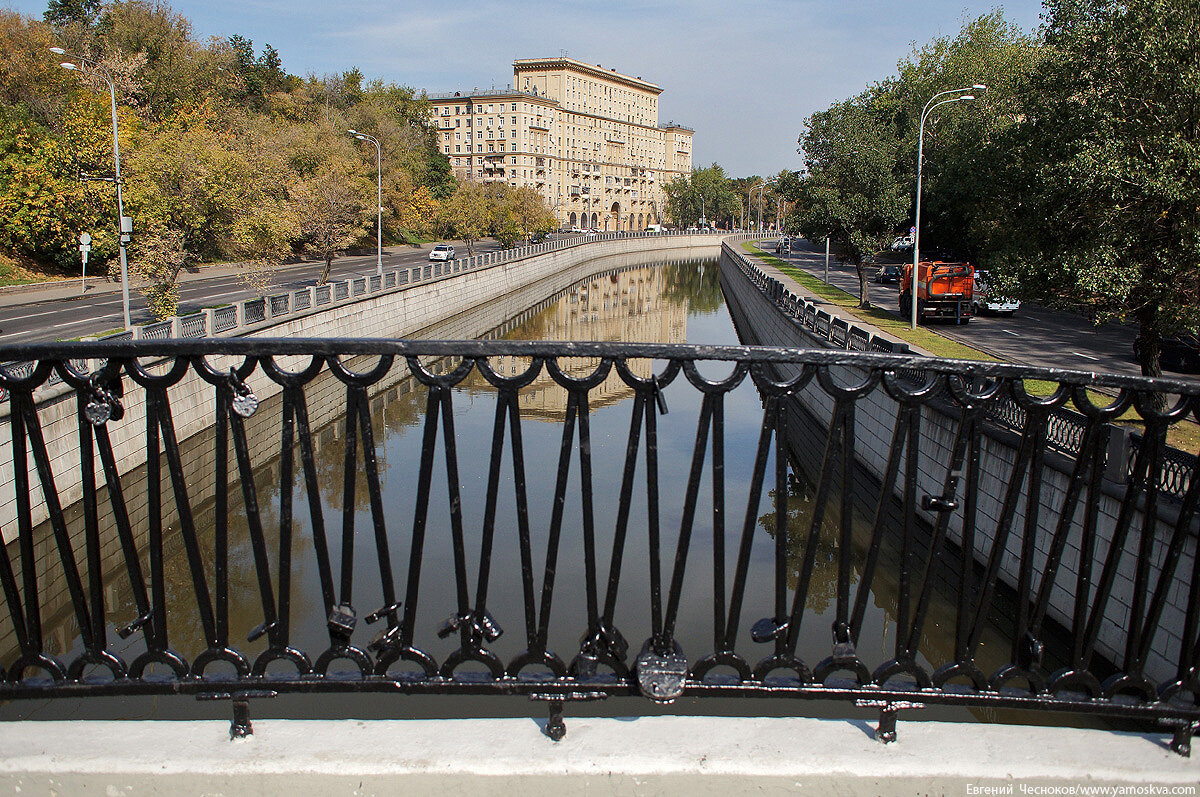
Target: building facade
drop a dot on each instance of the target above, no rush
(586, 138)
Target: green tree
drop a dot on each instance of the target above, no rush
(1105, 202)
(705, 193)
(67, 12)
(852, 194)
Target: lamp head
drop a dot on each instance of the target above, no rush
(68, 65)
(352, 132)
(979, 87)
(58, 51)
(967, 97)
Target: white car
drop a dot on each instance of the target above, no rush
(986, 300)
(442, 252)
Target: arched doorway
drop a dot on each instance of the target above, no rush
(615, 210)
(595, 220)
(574, 220)
(641, 221)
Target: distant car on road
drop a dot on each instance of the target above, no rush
(888, 274)
(902, 243)
(986, 299)
(442, 252)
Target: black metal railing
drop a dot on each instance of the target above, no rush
(1099, 612)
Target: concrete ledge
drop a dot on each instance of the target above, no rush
(693, 755)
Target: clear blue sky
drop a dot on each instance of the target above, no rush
(772, 62)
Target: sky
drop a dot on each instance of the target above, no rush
(743, 74)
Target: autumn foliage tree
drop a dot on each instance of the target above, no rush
(216, 137)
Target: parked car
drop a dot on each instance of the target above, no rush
(888, 274)
(987, 300)
(442, 252)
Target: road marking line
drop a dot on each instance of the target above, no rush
(1010, 332)
(1088, 356)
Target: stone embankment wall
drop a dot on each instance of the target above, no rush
(762, 321)
(486, 290)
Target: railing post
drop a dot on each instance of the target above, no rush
(240, 318)
(208, 322)
(1116, 455)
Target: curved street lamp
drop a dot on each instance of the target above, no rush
(929, 106)
(124, 228)
(379, 196)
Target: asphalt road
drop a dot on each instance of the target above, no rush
(1033, 335)
(62, 313)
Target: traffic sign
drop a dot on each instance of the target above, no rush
(85, 246)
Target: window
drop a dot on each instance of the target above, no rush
(458, 148)
(514, 146)
(514, 107)
(514, 119)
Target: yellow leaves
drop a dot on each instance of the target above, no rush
(418, 210)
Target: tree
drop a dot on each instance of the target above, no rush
(705, 193)
(469, 212)
(520, 213)
(1105, 210)
(331, 207)
(852, 194)
(67, 12)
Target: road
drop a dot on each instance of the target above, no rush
(62, 313)
(1034, 335)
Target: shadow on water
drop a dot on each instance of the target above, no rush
(673, 303)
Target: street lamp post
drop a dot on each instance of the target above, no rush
(929, 106)
(124, 227)
(379, 196)
(760, 187)
(703, 220)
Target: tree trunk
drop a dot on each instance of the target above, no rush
(864, 286)
(328, 267)
(1148, 345)
(470, 242)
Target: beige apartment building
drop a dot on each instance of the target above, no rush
(586, 138)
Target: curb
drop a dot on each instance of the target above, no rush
(31, 287)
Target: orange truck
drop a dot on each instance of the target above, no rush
(944, 290)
